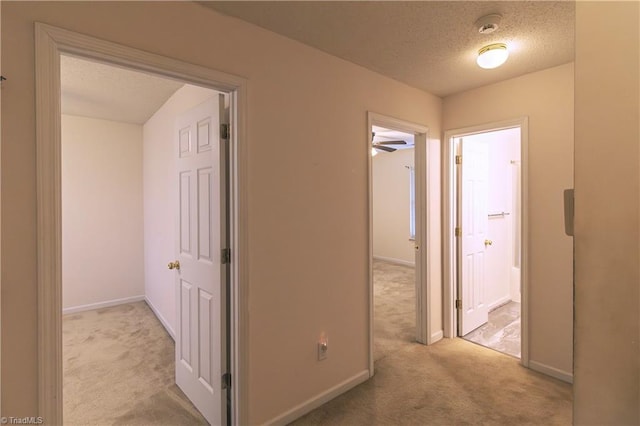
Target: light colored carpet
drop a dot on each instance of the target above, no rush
(453, 382)
(394, 314)
(118, 369)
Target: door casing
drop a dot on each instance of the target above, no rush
(449, 223)
(51, 42)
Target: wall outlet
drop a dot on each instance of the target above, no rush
(323, 347)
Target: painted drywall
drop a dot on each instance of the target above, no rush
(503, 148)
(307, 186)
(102, 245)
(607, 323)
(391, 209)
(546, 97)
(160, 189)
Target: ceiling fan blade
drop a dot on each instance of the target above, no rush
(390, 143)
(384, 148)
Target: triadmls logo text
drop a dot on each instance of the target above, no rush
(21, 420)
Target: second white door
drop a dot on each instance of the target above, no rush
(474, 178)
(200, 277)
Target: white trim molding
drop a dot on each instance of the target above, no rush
(162, 319)
(51, 42)
(438, 335)
(551, 371)
(449, 223)
(423, 239)
(500, 302)
(100, 305)
(318, 400)
(395, 261)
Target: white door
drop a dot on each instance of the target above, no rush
(474, 178)
(200, 295)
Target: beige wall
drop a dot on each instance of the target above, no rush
(607, 373)
(102, 247)
(307, 187)
(391, 206)
(160, 201)
(546, 97)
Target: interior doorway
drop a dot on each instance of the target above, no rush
(485, 253)
(141, 153)
(393, 139)
(394, 254)
(51, 44)
(488, 194)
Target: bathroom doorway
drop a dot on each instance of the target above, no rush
(485, 255)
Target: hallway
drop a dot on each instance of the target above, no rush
(450, 382)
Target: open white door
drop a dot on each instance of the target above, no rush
(200, 277)
(474, 178)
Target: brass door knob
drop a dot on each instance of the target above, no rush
(174, 265)
(488, 242)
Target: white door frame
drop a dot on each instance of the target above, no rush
(449, 223)
(424, 257)
(51, 42)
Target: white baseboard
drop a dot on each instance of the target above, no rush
(502, 301)
(438, 335)
(100, 305)
(313, 403)
(551, 371)
(396, 261)
(162, 319)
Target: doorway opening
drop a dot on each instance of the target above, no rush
(118, 219)
(398, 154)
(394, 254)
(485, 236)
(212, 190)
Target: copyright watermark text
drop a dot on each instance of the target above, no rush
(21, 420)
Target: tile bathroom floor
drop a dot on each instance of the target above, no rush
(501, 332)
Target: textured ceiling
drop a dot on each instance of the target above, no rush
(91, 89)
(427, 44)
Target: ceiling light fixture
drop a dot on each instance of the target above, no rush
(492, 55)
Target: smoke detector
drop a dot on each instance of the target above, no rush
(488, 24)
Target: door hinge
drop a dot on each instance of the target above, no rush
(226, 256)
(225, 131)
(458, 304)
(226, 381)
(458, 159)
(458, 232)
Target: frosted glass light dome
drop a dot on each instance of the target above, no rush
(492, 56)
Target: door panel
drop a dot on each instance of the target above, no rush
(200, 347)
(185, 325)
(474, 179)
(205, 188)
(205, 308)
(185, 213)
